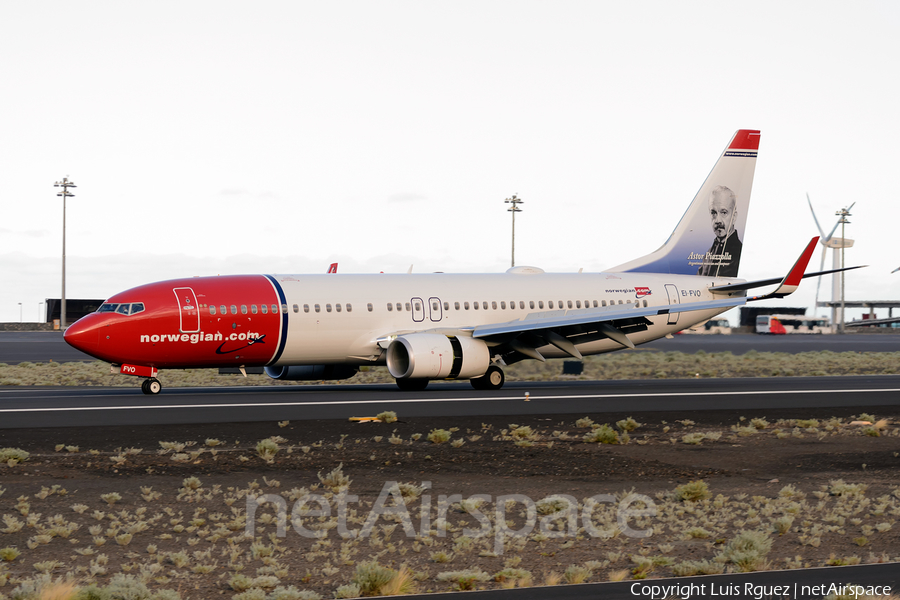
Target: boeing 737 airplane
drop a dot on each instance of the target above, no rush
(441, 326)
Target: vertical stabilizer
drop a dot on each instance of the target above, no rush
(709, 238)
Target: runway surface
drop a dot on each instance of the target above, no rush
(65, 407)
(44, 346)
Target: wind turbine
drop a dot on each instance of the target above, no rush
(829, 241)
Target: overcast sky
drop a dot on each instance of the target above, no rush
(229, 137)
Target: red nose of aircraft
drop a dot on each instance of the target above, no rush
(84, 335)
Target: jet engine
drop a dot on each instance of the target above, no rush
(311, 372)
(436, 356)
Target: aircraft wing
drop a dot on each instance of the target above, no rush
(749, 285)
(565, 329)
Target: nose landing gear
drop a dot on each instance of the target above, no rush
(151, 386)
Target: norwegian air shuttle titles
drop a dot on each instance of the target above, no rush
(440, 326)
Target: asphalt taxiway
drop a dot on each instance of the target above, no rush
(65, 407)
(44, 346)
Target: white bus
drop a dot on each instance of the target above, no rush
(782, 324)
(714, 326)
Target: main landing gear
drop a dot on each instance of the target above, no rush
(151, 386)
(492, 380)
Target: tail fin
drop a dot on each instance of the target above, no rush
(708, 239)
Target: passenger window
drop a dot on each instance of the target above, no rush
(466, 305)
(274, 309)
(540, 304)
(522, 304)
(484, 305)
(577, 304)
(327, 308)
(233, 309)
(595, 304)
(620, 302)
(253, 308)
(475, 305)
(306, 308)
(570, 304)
(212, 309)
(493, 305)
(296, 308)
(531, 304)
(418, 306)
(550, 304)
(243, 309)
(337, 307)
(502, 305)
(399, 307)
(264, 309)
(390, 307)
(603, 303)
(318, 308)
(222, 309)
(370, 307)
(446, 306)
(456, 305)
(349, 308)
(284, 308)
(561, 305)
(645, 304)
(407, 307)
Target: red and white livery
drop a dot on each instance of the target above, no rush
(440, 326)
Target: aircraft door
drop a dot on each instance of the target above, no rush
(188, 311)
(418, 310)
(435, 312)
(672, 292)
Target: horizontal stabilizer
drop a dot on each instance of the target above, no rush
(749, 285)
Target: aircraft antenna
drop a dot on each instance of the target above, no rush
(515, 201)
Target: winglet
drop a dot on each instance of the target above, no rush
(791, 281)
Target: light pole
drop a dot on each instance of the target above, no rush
(65, 184)
(40, 306)
(20, 312)
(843, 214)
(515, 201)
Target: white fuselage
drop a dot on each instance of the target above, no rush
(330, 319)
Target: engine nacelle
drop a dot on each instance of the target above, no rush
(436, 356)
(311, 372)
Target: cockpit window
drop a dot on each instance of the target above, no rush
(122, 309)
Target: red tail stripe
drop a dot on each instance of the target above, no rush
(745, 139)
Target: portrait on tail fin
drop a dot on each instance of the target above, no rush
(724, 256)
(723, 201)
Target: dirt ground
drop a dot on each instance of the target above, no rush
(820, 490)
